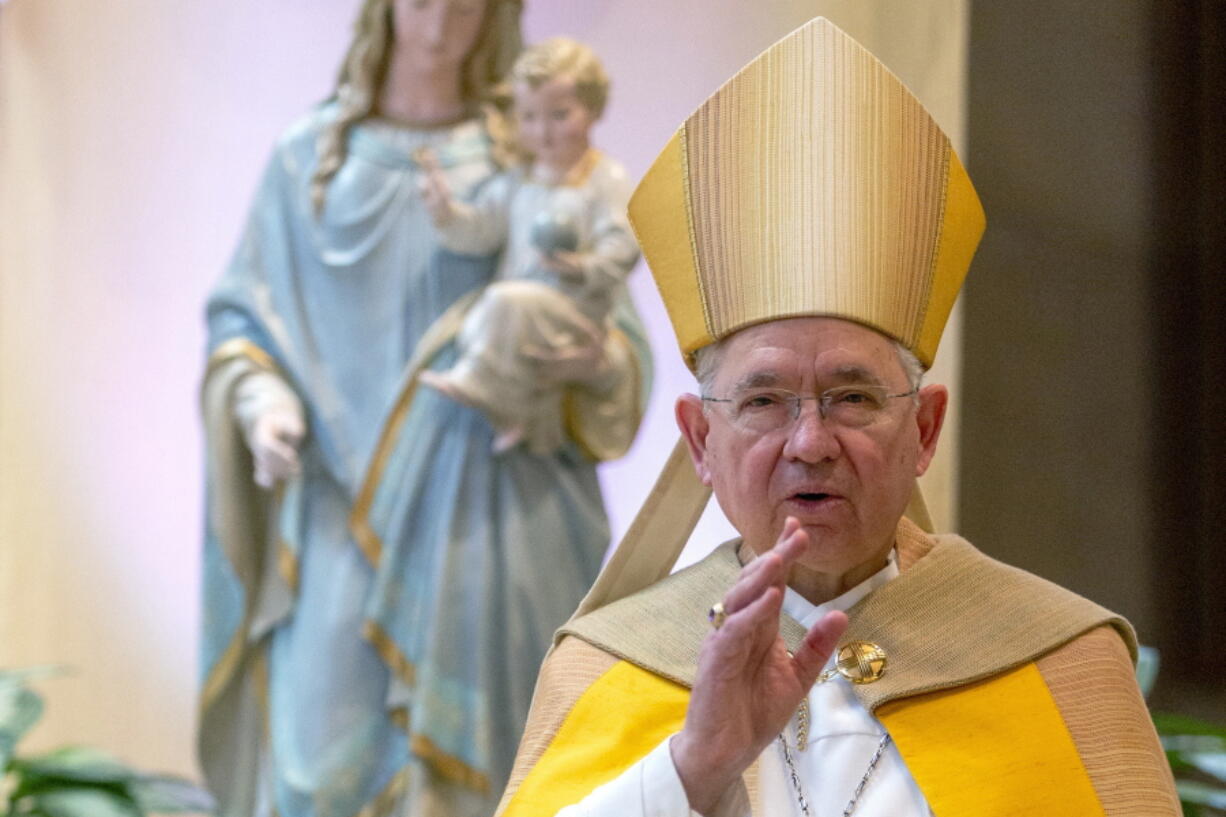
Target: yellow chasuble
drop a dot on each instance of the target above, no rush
(1006, 695)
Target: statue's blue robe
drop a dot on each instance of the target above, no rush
(393, 668)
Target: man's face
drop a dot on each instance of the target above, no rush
(846, 484)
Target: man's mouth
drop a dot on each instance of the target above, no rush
(810, 497)
(814, 499)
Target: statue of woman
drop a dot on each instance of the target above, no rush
(380, 586)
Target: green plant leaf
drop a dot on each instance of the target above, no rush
(20, 709)
(1168, 723)
(1178, 764)
(77, 764)
(31, 787)
(84, 802)
(166, 794)
(1201, 794)
(1147, 668)
(1193, 744)
(1210, 763)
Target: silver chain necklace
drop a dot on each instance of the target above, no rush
(855, 796)
(861, 662)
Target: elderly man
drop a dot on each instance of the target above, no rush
(809, 228)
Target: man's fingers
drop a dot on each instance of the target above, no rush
(765, 621)
(790, 526)
(817, 645)
(769, 569)
(792, 542)
(750, 631)
(763, 573)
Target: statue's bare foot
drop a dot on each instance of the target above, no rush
(507, 439)
(443, 383)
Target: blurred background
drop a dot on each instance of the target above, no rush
(1088, 444)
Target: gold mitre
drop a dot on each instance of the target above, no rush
(812, 183)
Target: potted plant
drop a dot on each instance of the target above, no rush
(1196, 750)
(76, 781)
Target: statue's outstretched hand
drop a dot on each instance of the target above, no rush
(748, 685)
(274, 446)
(271, 417)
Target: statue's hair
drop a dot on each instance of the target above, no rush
(562, 56)
(365, 67)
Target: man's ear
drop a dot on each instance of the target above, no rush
(930, 417)
(692, 420)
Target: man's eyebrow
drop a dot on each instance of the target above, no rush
(853, 373)
(755, 380)
(847, 373)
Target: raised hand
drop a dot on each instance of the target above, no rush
(434, 189)
(748, 686)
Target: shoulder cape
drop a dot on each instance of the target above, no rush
(1005, 694)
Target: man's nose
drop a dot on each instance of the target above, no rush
(811, 437)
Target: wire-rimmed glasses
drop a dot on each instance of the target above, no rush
(763, 410)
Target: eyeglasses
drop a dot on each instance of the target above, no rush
(763, 410)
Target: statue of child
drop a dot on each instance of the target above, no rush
(559, 219)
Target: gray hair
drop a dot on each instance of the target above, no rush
(912, 368)
(706, 365)
(708, 358)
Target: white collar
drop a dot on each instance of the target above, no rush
(807, 613)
